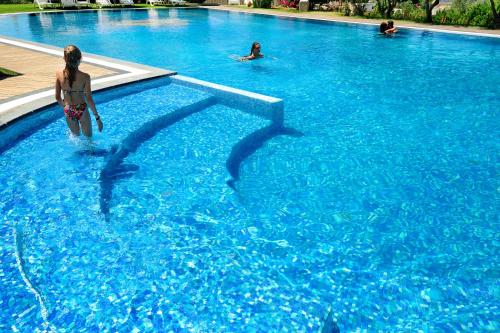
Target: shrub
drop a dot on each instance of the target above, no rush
(5, 2)
(410, 11)
(467, 14)
(349, 7)
(313, 3)
(289, 3)
(262, 3)
(330, 6)
(480, 15)
(346, 9)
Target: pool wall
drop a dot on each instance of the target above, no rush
(264, 106)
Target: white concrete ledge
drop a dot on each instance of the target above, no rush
(126, 72)
(261, 105)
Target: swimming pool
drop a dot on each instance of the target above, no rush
(385, 211)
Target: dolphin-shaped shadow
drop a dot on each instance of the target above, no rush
(329, 325)
(95, 152)
(115, 170)
(249, 145)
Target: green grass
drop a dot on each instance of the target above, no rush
(18, 8)
(4, 73)
(29, 7)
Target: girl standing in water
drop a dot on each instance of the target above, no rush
(77, 94)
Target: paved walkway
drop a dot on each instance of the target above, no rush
(21, 95)
(37, 69)
(332, 16)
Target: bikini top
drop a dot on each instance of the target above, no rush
(70, 92)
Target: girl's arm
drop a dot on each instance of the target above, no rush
(250, 57)
(90, 102)
(58, 91)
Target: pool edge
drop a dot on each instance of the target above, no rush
(125, 72)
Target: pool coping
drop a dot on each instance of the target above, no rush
(20, 106)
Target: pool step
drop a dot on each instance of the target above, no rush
(187, 158)
(135, 139)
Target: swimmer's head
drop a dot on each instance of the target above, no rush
(72, 57)
(390, 24)
(255, 50)
(383, 27)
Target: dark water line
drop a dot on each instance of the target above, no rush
(111, 171)
(250, 144)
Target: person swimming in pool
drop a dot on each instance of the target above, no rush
(391, 28)
(75, 87)
(387, 28)
(254, 52)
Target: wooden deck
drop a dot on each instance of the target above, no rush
(38, 71)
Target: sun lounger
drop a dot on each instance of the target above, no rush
(178, 2)
(68, 3)
(45, 3)
(370, 6)
(82, 3)
(126, 2)
(104, 3)
(156, 2)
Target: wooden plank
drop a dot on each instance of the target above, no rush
(37, 69)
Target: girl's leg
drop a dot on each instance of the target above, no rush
(86, 124)
(73, 125)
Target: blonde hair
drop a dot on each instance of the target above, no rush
(72, 57)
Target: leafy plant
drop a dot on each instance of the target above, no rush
(358, 7)
(386, 7)
(289, 3)
(262, 3)
(2, 2)
(473, 14)
(4, 73)
(313, 3)
(346, 9)
(410, 11)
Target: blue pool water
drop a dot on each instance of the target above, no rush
(385, 212)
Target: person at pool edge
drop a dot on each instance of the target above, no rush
(254, 52)
(76, 91)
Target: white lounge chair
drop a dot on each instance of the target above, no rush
(156, 2)
(178, 2)
(126, 2)
(68, 3)
(45, 3)
(370, 6)
(82, 3)
(104, 3)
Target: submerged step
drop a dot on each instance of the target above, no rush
(185, 162)
(113, 167)
(132, 111)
